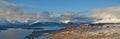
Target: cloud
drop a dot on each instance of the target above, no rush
(109, 14)
(5, 3)
(12, 14)
(12, 11)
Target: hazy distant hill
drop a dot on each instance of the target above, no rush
(14, 23)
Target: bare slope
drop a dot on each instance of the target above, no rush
(109, 31)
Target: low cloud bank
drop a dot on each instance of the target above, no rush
(106, 15)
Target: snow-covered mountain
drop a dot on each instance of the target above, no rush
(31, 23)
(6, 22)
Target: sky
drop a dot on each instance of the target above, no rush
(64, 5)
(60, 10)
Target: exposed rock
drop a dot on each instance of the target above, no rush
(84, 31)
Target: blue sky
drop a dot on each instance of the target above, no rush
(75, 10)
(64, 5)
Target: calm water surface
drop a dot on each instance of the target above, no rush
(18, 33)
(14, 33)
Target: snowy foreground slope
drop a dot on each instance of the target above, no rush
(91, 31)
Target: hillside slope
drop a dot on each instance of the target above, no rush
(109, 31)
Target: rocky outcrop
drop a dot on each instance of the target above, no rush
(84, 31)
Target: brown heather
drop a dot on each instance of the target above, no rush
(87, 32)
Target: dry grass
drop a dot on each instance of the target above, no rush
(86, 32)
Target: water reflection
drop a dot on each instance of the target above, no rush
(14, 34)
(27, 33)
(41, 34)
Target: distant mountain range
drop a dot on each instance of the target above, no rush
(31, 23)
